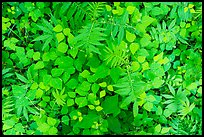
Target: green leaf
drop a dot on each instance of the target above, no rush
(58, 28)
(157, 82)
(95, 87)
(18, 91)
(165, 130)
(110, 105)
(43, 127)
(72, 83)
(126, 101)
(148, 106)
(36, 56)
(115, 74)
(81, 101)
(103, 84)
(114, 124)
(157, 128)
(167, 112)
(134, 47)
(130, 9)
(56, 83)
(135, 66)
(102, 93)
(135, 109)
(39, 65)
(42, 37)
(158, 57)
(60, 37)
(150, 98)
(57, 72)
(70, 102)
(99, 108)
(141, 59)
(85, 74)
(51, 121)
(65, 120)
(130, 37)
(25, 113)
(71, 94)
(53, 131)
(39, 93)
(22, 78)
(157, 11)
(62, 47)
(19, 127)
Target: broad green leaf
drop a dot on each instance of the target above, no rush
(147, 20)
(53, 131)
(130, 37)
(167, 112)
(108, 8)
(60, 37)
(62, 47)
(91, 107)
(99, 108)
(114, 124)
(115, 74)
(39, 93)
(39, 65)
(66, 31)
(81, 101)
(103, 84)
(131, 9)
(192, 86)
(56, 83)
(51, 121)
(43, 127)
(157, 128)
(102, 93)
(70, 102)
(71, 94)
(58, 28)
(95, 87)
(157, 11)
(110, 88)
(22, 78)
(19, 127)
(110, 105)
(57, 72)
(157, 82)
(165, 130)
(134, 47)
(148, 106)
(36, 56)
(141, 59)
(65, 120)
(135, 66)
(150, 98)
(85, 74)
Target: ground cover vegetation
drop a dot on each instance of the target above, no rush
(128, 68)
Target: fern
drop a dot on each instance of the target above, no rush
(7, 108)
(95, 9)
(117, 56)
(89, 37)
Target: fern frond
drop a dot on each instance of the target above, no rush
(116, 56)
(7, 107)
(95, 9)
(90, 37)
